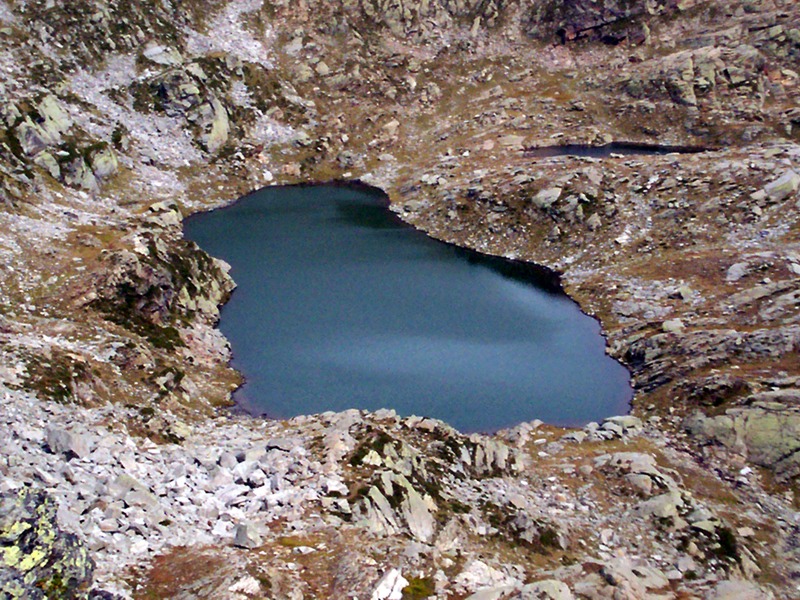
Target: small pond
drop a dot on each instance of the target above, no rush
(340, 305)
(610, 150)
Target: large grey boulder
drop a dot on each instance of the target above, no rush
(65, 442)
(247, 536)
(390, 587)
(664, 506)
(417, 514)
(783, 187)
(162, 55)
(219, 129)
(548, 589)
(637, 579)
(547, 197)
(104, 162)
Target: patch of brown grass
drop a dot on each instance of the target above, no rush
(170, 574)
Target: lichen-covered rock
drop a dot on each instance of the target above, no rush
(767, 433)
(37, 558)
(54, 121)
(219, 127)
(104, 162)
(78, 174)
(47, 162)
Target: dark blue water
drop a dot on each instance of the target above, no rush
(609, 150)
(340, 305)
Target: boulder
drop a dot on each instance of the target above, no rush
(379, 516)
(390, 587)
(322, 69)
(303, 72)
(65, 442)
(548, 589)
(104, 162)
(54, 120)
(46, 161)
(664, 506)
(411, 507)
(77, 174)
(736, 272)
(31, 137)
(783, 187)
(477, 575)
(547, 197)
(131, 491)
(162, 55)
(622, 573)
(672, 326)
(492, 593)
(622, 425)
(246, 536)
(490, 456)
(220, 128)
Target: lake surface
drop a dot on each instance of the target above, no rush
(340, 305)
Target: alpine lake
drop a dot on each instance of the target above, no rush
(341, 305)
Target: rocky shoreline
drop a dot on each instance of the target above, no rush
(114, 379)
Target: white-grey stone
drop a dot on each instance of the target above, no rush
(738, 590)
(247, 536)
(662, 507)
(390, 587)
(492, 593)
(548, 589)
(783, 187)
(547, 197)
(672, 326)
(61, 441)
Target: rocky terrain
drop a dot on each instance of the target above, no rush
(122, 472)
